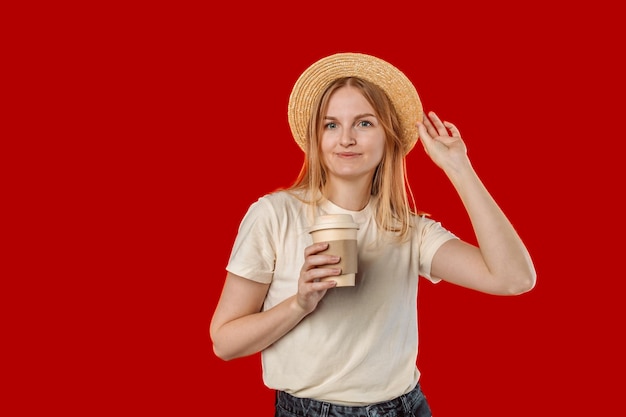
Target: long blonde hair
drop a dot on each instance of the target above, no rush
(389, 184)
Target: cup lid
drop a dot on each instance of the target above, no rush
(334, 221)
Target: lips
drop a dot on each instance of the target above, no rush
(347, 154)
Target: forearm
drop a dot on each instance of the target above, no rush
(252, 333)
(503, 252)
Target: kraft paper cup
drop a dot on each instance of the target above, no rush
(339, 230)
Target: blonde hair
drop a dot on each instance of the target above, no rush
(390, 185)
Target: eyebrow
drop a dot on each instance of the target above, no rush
(358, 116)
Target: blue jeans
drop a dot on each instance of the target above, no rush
(412, 404)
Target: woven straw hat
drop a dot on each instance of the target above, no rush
(316, 79)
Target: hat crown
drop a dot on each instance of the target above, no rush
(317, 77)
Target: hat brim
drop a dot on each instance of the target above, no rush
(316, 79)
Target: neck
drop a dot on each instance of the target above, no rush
(349, 195)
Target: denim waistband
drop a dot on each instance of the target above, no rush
(398, 406)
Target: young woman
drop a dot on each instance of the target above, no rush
(338, 351)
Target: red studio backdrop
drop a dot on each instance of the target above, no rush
(141, 133)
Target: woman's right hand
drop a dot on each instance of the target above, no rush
(316, 266)
(240, 326)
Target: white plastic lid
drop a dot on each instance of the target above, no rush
(334, 221)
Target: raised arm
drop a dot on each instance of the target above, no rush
(501, 263)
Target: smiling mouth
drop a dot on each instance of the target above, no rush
(348, 154)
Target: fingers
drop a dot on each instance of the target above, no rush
(432, 131)
(437, 125)
(315, 248)
(453, 129)
(424, 136)
(316, 276)
(438, 128)
(319, 265)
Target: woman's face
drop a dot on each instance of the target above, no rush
(353, 140)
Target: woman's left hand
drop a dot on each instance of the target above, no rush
(442, 142)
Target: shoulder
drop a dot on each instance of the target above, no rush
(425, 225)
(276, 204)
(424, 220)
(279, 199)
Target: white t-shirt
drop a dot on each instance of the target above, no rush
(360, 344)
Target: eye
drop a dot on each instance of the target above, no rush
(330, 125)
(364, 123)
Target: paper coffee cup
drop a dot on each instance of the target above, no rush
(339, 230)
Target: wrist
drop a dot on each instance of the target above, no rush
(297, 309)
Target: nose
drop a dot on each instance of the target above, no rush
(348, 137)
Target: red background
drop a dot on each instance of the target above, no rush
(136, 136)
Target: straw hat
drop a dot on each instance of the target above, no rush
(315, 79)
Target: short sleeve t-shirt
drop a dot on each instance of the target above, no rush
(360, 344)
